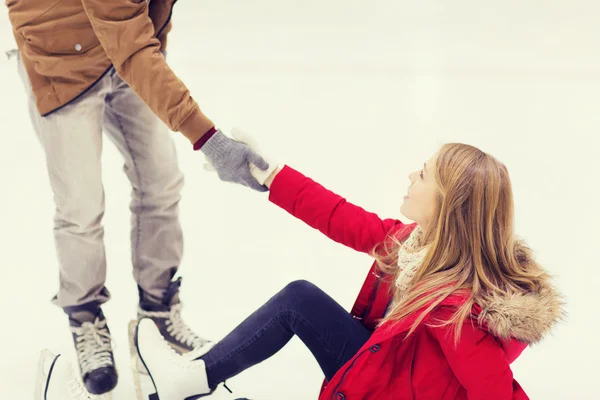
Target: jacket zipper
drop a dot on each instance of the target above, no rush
(168, 19)
(335, 390)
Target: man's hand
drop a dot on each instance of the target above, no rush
(233, 161)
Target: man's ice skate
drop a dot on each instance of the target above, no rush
(173, 376)
(57, 380)
(94, 350)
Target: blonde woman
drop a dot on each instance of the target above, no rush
(449, 303)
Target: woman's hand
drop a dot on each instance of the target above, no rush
(270, 179)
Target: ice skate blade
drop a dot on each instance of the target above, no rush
(105, 396)
(136, 362)
(46, 361)
(138, 370)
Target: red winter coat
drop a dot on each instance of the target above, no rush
(426, 365)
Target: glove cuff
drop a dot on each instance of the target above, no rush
(198, 145)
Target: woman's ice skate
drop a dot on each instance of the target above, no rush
(173, 376)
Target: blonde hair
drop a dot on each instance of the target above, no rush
(472, 249)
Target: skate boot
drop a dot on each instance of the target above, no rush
(173, 376)
(94, 351)
(57, 380)
(166, 313)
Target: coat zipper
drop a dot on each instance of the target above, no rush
(335, 390)
(371, 300)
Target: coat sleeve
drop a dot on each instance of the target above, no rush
(479, 364)
(127, 35)
(331, 214)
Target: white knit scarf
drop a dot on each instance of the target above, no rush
(410, 257)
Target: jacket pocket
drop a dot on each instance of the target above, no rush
(70, 41)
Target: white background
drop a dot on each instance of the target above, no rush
(355, 94)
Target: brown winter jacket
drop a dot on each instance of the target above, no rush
(69, 45)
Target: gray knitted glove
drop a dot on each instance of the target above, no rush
(231, 159)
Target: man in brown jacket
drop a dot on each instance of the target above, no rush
(97, 65)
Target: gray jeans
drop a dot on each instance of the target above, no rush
(72, 141)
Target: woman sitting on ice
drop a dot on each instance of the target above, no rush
(450, 302)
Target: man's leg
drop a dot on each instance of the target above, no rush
(72, 143)
(152, 168)
(156, 236)
(302, 309)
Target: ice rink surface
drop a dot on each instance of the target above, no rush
(356, 95)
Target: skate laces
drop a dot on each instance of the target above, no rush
(93, 345)
(176, 327)
(177, 358)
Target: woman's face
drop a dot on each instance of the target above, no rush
(420, 202)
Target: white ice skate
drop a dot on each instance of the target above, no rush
(174, 377)
(57, 379)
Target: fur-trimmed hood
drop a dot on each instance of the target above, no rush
(526, 317)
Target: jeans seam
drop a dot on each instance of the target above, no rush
(326, 346)
(139, 182)
(246, 344)
(259, 333)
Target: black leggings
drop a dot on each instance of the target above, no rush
(302, 309)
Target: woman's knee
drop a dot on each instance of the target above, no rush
(299, 290)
